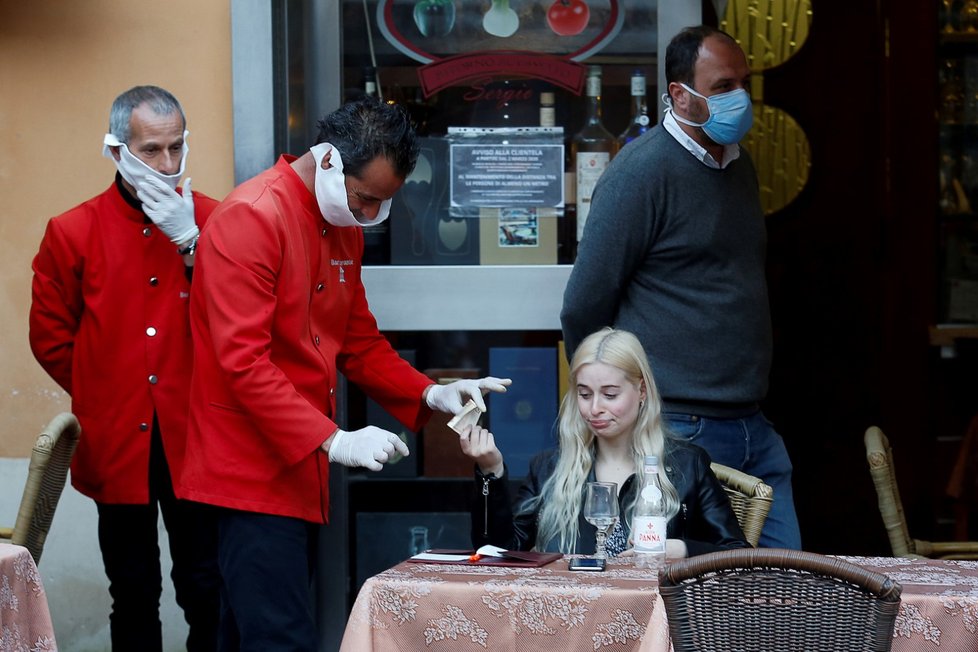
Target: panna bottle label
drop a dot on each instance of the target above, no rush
(649, 534)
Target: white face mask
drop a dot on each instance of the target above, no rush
(331, 191)
(133, 169)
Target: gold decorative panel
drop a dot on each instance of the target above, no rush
(771, 32)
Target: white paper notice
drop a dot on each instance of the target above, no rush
(430, 556)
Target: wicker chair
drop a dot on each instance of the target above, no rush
(750, 498)
(46, 476)
(880, 458)
(772, 599)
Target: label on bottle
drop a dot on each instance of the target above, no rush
(649, 534)
(594, 86)
(548, 117)
(370, 88)
(638, 85)
(590, 166)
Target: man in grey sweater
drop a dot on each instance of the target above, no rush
(674, 251)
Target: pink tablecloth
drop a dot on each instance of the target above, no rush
(25, 623)
(453, 607)
(431, 607)
(939, 605)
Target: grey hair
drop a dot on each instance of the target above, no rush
(159, 100)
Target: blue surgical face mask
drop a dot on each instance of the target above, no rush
(731, 116)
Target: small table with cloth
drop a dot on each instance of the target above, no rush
(25, 622)
(418, 606)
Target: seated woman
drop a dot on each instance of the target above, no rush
(609, 421)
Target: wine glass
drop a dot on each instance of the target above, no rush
(601, 511)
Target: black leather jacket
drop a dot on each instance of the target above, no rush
(705, 520)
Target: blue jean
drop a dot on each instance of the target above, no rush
(752, 445)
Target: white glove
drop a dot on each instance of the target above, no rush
(451, 397)
(369, 447)
(168, 210)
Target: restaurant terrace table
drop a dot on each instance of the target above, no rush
(417, 606)
(25, 623)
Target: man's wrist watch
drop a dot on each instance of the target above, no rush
(190, 248)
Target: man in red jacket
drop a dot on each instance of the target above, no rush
(278, 311)
(109, 323)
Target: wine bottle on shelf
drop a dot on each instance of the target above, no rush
(592, 148)
(639, 122)
(370, 81)
(548, 117)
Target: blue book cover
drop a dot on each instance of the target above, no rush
(523, 419)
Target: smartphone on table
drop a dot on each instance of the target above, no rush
(585, 564)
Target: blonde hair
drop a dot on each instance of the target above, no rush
(562, 496)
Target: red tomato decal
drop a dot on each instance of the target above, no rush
(568, 17)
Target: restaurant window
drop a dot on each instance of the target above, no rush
(483, 68)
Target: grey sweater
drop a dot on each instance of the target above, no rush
(674, 252)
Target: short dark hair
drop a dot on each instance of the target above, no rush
(683, 51)
(160, 101)
(367, 128)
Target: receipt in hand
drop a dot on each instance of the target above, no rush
(468, 416)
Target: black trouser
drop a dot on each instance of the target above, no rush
(128, 536)
(268, 564)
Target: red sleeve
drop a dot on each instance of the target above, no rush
(56, 304)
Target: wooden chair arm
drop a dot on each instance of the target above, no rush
(947, 549)
(742, 482)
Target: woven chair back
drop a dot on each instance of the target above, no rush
(770, 599)
(750, 498)
(46, 475)
(881, 468)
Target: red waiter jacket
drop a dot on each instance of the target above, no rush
(109, 323)
(278, 309)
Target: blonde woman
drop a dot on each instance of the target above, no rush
(609, 421)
